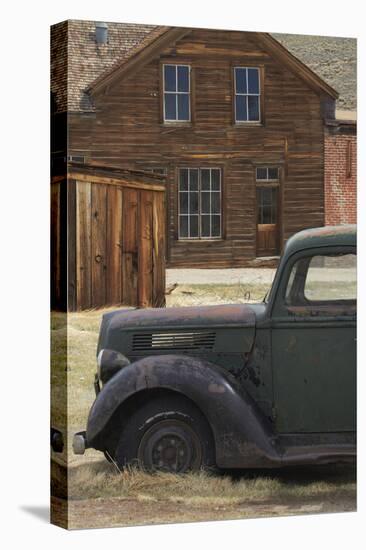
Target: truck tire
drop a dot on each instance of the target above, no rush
(167, 434)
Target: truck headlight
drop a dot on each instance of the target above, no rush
(109, 362)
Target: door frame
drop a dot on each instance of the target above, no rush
(279, 186)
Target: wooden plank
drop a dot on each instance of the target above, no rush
(129, 246)
(106, 180)
(158, 250)
(83, 245)
(145, 244)
(114, 246)
(98, 244)
(55, 246)
(71, 245)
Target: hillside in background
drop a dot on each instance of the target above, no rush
(333, 59)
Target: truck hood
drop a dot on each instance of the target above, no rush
(226, 328)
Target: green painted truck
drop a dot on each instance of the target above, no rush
(236, 386)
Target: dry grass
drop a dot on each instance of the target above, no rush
(196, 295)
(101, 479)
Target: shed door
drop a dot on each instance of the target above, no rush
(267, 221)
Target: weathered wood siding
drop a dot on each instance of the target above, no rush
(127, 130)
(116, 248)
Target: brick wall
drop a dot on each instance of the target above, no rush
(340, 174)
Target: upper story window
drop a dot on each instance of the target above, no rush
(177, 91)
(247, 94)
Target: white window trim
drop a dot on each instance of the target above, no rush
(267, 179)
(200, 213)
(247, 95)
(176, 93)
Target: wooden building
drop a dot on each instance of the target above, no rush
(232, 119)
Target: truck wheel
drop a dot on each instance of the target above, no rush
(168, 434)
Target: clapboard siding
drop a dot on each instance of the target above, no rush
(127, 130)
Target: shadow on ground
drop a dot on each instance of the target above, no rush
(40, 512)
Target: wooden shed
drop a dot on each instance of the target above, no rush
(107, 238)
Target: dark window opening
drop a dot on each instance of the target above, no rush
(176, 85)
(199, 203)
(247, 94)
(267, 174)
(267, 205)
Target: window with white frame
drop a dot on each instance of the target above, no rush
(267, 174)
(177, 91)
(199, 205)
(247, 94)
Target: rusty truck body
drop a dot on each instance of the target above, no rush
(238, 385)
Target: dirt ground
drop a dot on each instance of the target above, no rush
(115, 500)
(99, 496)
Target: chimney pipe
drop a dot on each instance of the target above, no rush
(101, 33)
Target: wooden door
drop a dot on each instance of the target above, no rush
(120, 246)
(268, 221)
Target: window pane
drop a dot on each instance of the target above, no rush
(205, 226)
(328, 279)
(193, 180)
(215, 180)
(183, 179)
(216, 229)
(215, 203)
(274, 205)
(183, 79)
(253, 107)
(193, 226)
(205, 179)
(241, 107)
(170, 107)
(261, 173)
(267, 196)
(183, 203)
(240, 80)
(266, 214)
(331, 278)
(183, 106)
(205, 202)
(169, 78)
(183, 226)
(260, 215)
(193, 202)
(253, 81)
(273, 173)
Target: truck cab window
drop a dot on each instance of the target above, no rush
(323, 280)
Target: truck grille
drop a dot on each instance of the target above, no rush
(164, 341)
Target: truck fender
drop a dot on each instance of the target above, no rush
(242, 435)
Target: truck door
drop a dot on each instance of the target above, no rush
(314, 343)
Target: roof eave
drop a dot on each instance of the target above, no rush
(296, 66)
(168, 36)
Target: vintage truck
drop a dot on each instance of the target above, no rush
(236, 386)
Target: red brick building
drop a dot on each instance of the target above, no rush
(340, 174)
